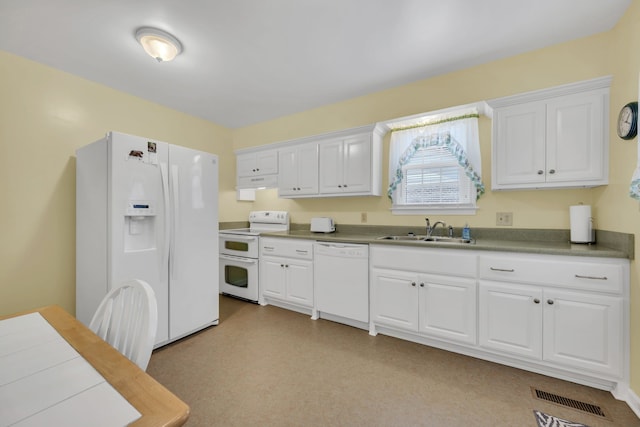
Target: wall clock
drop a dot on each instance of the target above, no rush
(628, 121)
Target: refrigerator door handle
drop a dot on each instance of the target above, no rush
(176, 219)
(165, 190)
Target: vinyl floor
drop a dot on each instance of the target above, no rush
(266, 366)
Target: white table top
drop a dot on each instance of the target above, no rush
(44, 381)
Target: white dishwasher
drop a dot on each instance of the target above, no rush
(341, 280)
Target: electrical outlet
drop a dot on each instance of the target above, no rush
(363, 217)
(504, 218)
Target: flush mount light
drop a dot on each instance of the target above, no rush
(159, 44)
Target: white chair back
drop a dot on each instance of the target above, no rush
(127, 318)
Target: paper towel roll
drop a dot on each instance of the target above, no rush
(581, 224)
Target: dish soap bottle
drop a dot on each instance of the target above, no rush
(466, 233)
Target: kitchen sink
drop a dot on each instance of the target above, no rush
(444, 239)
(408, 237)
(430, 239)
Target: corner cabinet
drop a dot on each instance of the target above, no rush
(567, 313)
(552, 138)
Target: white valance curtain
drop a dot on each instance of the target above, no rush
(457, 131)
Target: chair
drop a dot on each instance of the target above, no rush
(127, 318)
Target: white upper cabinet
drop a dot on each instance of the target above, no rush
(298, 170)
(553, 138)
(344, 163)
(345, 166)
(257, 169)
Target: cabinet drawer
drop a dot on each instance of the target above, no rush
(289, 248)
(583, 273)
(448, 262)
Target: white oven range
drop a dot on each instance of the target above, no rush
(239, 253)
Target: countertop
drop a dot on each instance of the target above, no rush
(552, 242)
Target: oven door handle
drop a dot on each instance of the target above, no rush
(239, 259)
(237, 237)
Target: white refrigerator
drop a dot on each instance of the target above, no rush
(148, 210)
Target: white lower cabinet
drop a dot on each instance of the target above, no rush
(583, 330)
(394, 299)
(510, 319)
(448, 308)
(433, 305)
(563, 316)
(575, 329)
(286, 272)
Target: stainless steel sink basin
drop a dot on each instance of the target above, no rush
(430, 239)
(409, 238)
(444, 239)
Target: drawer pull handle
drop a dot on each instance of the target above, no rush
(508, 270)
(268, 248)
(300, 251)
(578, 276)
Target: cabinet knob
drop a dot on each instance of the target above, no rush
(552, 171)
(536, 301)
(339, 186)
(253, 170)
(540, 172)
(413, 284)
(550, 301)
(422, 285)
(257, 169)
(281, 265)
(286, 266)
(345, 186)
(298, 188)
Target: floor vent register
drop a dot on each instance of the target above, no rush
(556, 399)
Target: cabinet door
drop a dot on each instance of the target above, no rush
(307, 160)
(583, 331)
(246, 164)
(267, 162)
(288, 175)
(331, 154)
(519, 145)
(300, 282)
(298, 170)
(357, 164)
(575, 138)
(394, 299)
(510, 319)
(448, 308)
(272, 277)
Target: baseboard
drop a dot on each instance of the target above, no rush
(634, 402)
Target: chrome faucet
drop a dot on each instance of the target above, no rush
(430, 228)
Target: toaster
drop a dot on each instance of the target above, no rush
(322, 225)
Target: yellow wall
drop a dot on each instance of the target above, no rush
(45, 115)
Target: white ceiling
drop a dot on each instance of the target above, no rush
(247, 61)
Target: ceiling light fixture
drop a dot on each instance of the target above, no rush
(159, 44)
